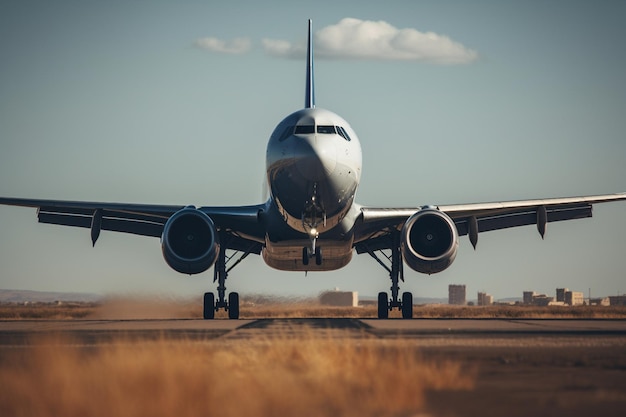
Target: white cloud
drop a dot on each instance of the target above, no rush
(358, 39)
(363, 39)
(283, 49)
(234, 46)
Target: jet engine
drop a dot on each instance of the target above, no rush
(429, 241)
(190, 243)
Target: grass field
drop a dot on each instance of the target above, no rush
(311, 372)
(307, 376)
(255, 307)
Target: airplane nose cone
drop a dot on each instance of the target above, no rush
(316, 158)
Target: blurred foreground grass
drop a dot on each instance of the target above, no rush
(311, 375)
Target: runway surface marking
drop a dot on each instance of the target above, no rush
(298, 328)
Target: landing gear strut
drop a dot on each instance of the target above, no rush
(396, 273)
(308, 253)
(220, 275)
(312, 216)
(210, 305)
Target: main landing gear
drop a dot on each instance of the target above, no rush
(220, 274)
(396, 273)
(210, 306)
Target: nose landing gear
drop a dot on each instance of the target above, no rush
(312, 216)
(312, 252)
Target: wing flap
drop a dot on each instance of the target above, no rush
(110, 221)
(505, 221)
(106, 213)
(64, 219)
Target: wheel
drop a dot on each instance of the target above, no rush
(233, 305)
(305, 256)
(383, 305)
(407, 305)
(318, 256)
(209, 306)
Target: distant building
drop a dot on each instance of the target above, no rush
(603, 301)
(528, 297)
(532, 298)
(542, 300)
(456, 294)
(574, 298)
(617, 300)
(484, 299)
(340, 298)
(560, 294)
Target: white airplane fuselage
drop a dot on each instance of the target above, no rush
(313, 168)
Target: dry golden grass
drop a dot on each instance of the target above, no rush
(309, 376)
(149, 308)
(305, 310)
(14, 311)
(312, 310)
(519, 311)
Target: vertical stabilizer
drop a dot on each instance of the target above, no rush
(309, 98)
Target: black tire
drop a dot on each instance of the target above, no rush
(318, 256)
(209, 306)
(305, 256)
(383, 305)
(233, 305)
(407, 305)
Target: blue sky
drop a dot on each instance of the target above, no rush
(118, 101)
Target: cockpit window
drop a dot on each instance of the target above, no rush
(304, 129)
(326, 129)
(309, 129)
(342, 132)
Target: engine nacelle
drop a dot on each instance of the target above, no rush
(190, 243)
(429, 241)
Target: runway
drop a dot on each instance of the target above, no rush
(439, 332)
(522, 367)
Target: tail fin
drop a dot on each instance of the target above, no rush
(309, 98)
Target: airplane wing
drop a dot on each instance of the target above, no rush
(239, 223)
(377, 223)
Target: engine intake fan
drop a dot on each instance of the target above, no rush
(429, 241)
(190, 243)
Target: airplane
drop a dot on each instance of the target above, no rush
(310, 221)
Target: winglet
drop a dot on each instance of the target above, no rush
(309, 98)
